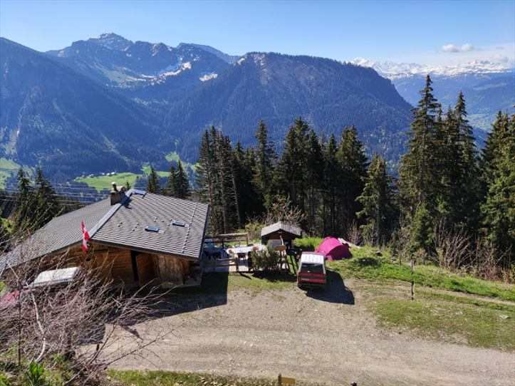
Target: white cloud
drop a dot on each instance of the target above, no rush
(454, 48)
(450, 48)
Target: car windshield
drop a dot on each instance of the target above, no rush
(312, 268)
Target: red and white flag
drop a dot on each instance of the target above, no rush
(85, 237)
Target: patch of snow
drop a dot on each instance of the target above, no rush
(259, 59)
(170, 67)
(241, 60)
(206, 77)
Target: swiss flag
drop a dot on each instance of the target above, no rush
(85, 237)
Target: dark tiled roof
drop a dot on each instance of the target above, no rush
(290, 228)
(127, 226)
(123, 225)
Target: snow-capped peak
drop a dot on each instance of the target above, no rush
(392, 70)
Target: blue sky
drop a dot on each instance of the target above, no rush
(421, 31)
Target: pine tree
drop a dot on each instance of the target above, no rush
(378, 203)
(35, 206)
(451, 171)
(25, 204)
(291, 174)
(314, 173)
(153, 181)
(468, 211)
(266, 158)
(353, 165)
(330, 185)
(216, 181)
(425, 181)
(170, 183)
(47, 206)
(250, 200)
(181, 187)
(419, 171)
(499, 208)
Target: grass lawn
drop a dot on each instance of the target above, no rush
(7, 168)
(167, 378)
(447, 318)
(104, 182)
(218, 282)
(365, 265)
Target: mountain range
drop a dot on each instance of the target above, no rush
(111, 104)
(488, 86)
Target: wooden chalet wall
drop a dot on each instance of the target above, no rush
(146, 271)
(171, 271)
(114, 264)
(118, 265)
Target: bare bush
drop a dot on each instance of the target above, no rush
(354, 234)
(454, 247)
(486, 262)
(82, 322)
(282, 209)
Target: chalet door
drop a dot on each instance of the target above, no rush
(145, 265)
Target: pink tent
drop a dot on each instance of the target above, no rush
(333, 249)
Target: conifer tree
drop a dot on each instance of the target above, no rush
(249, 198)
(47, 205)
(468, 211)
(314, 173)
(499, 208)
(378, 203)
(216, 182)
(419, 171)
(25, 204)
(353, 165)
(181, 188)
(266, 158)
(291, 172)
(330, 185)
(170, 183)
(422, 179)
(153, 181)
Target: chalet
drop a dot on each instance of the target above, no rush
(134, 238)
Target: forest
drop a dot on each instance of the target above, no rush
(448, 202)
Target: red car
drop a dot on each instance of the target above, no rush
(312, 273)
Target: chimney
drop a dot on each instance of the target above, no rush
(116, 195)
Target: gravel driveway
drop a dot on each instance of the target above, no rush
(332, 340)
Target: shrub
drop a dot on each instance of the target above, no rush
(308, 243)
(266, 259)
(35, 375)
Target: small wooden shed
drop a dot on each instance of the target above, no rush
(280, 231)
(134, 238)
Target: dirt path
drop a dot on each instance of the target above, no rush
(271, 332)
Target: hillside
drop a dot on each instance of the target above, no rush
(277, 88)
(64, 121)
(109, 104)
(152, 74)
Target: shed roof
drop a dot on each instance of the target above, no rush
(142, 221)
(281, 226)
